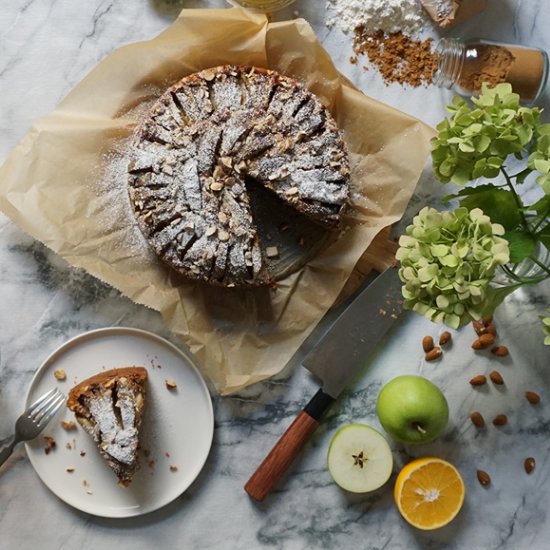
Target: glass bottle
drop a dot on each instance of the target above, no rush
(465, 65)
(263, 5)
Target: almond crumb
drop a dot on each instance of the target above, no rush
(68, 445)
(173, 468)
(70, 470)
(59, 374)
(272, 252)
(171, 384)
(68, 424)
(82, 453)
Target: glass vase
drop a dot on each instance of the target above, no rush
(529, 271)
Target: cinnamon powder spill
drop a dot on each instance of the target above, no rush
(397, 56)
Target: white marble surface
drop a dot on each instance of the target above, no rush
(46, 47)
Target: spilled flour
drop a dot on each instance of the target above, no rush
(390, 16)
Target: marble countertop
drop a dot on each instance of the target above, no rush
(46, 48)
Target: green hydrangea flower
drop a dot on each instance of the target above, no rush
(476, 141)
(539, 159)
(546, 328)
(447, 261)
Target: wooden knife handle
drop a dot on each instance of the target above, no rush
(287, 448)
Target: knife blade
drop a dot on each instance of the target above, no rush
(338, 356)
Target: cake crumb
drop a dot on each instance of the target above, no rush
(70, 470)
(173, 468)
(50, 444)
(68, 445)
(87, 487)
(82, 453)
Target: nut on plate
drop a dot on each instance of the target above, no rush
(445, 338)
(496, 378)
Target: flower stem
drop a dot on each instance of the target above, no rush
(516, 198)
(542, 220)
(541, 265)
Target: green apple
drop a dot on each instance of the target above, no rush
(359, 458)
(412, 409)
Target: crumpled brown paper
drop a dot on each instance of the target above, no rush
(65, 185)
(449, 13)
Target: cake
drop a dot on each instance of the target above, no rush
(109, 406)
(204, 142)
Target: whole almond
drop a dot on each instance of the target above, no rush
(484, 341)
(478, 380)
(500, 351)
(491, 329)
(433, 354)
(532, 397)
(427, 343)
(483, 478)
(445, 338)
(477, 419)
(500, 420)
(529, 464)
(496, 378)
(479, 327)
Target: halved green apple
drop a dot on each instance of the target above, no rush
(359, 458)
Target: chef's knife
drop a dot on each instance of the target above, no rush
(338, 356)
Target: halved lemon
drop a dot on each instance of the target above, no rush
(429, 492)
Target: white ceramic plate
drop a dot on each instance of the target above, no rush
(176, 432)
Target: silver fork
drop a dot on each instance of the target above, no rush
(34, 420)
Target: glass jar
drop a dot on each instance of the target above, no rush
(465, 65)
(263, 5)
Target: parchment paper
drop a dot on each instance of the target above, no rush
(460, 11)
(65, 185)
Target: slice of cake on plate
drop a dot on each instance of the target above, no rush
(109, 406)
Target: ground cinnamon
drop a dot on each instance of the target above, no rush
(398, 57)
(484, 63)
(524, 68)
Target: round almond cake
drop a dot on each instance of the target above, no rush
(204, 142)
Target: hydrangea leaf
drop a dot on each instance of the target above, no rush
(499, 204)
(522, 245)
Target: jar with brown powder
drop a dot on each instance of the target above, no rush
(466, 65)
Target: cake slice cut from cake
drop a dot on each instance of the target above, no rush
(109, 406)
